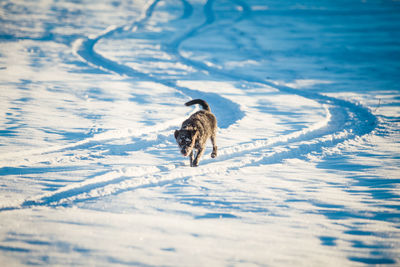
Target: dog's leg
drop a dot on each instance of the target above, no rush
(192, 144)
(191, 158)
(214, 144)
(200, 153)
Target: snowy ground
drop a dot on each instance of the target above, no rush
(307, 98)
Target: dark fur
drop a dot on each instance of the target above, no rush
(195, 131)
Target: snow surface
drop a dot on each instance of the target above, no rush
(307, 100)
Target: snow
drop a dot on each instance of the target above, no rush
(307, 101)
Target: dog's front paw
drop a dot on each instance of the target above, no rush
(194, 164)
(214, 154)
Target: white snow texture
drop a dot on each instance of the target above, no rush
(306, 94)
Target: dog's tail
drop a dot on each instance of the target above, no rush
(203, 104)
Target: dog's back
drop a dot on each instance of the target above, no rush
(204, 121)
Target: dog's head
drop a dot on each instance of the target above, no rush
(184, 138)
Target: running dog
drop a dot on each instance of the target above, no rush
(195, 131)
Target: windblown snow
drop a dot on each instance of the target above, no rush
(307, 99)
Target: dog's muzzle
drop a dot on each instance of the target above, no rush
(185, 152)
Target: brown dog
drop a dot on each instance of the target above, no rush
(195, 131)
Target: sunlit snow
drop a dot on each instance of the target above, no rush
(307, 99)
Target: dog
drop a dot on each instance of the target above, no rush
(195, 131)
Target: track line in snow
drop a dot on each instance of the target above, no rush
(344, 121)
(359, 121)
(101, 137)
(119, 181)
(85, 49)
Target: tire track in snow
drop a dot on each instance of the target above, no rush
(344, 121)
(346, 116)
(101, 137)
(119, 181)
(84, 48)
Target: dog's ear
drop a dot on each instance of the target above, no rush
(176, 133)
